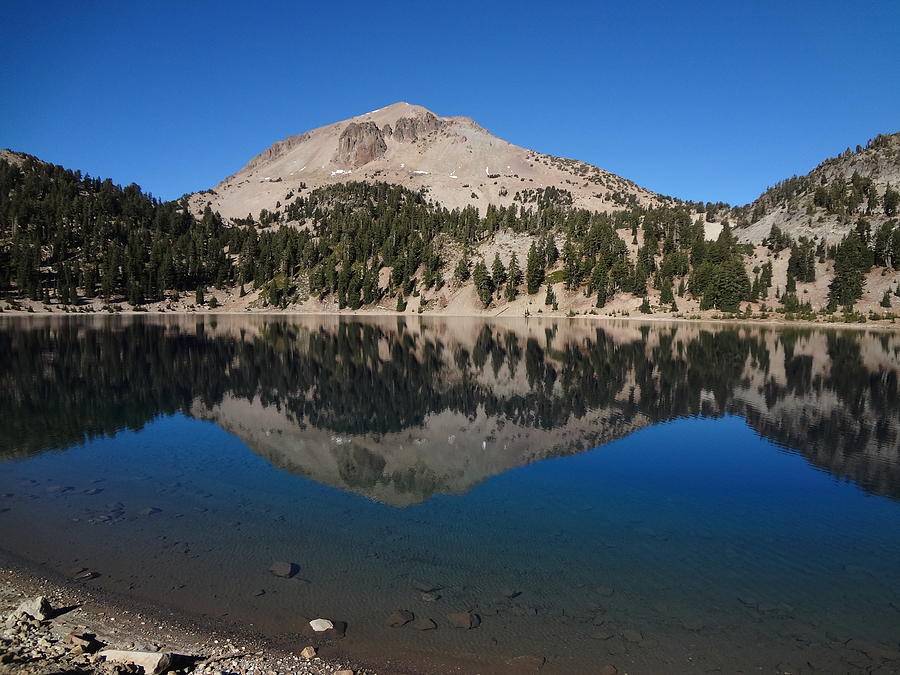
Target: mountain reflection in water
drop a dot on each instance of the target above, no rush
(400, 410)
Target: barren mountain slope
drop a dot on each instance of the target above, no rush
(793, 204)
(458, 162)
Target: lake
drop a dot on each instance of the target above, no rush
(667, 497)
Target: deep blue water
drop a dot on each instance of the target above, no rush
(722, 492)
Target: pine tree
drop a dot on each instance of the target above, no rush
(534, 270)
(891, 201)
(498, 271)
(484, 285)
(666, 295)
(514, 278)
(461, 271)
(550, 297)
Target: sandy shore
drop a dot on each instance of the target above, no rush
(706, 318)
(84, 622)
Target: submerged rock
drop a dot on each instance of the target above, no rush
(632, 635)
(424, 624)
(400, 618)
(529, 663)
(425, 587)
(284, 569)
(431, 597)
(464, 620)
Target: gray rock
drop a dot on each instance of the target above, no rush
(37, 608)
(431, 597)
(152, 663)
(321, 625)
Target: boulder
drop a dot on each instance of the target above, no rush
(609, 669)
(308, 653)
(424, 624)
(152, 663)
(284, 569)
(37, 608)
(431, 597)
(400, 618)
(464, 620)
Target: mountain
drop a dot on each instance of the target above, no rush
(453, 159)
(827, 202)
(364, 215)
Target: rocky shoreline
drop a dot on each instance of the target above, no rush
(51, 628)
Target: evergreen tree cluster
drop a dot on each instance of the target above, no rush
(61, 231)
(65, 236)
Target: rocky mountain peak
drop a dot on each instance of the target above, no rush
(360, 143)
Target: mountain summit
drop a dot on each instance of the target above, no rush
(454, 160)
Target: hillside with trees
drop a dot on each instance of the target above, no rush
(72, 242)
(827, 202)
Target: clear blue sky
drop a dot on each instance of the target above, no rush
(703, 101)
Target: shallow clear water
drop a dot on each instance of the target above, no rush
(665, 497)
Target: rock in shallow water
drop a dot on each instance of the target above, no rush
(632, 635)
(400, 618)
(465, 620)
(284, 569)
(424, 624)
(425, 586)
(321, 625)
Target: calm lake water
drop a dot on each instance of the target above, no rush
(665, 497)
